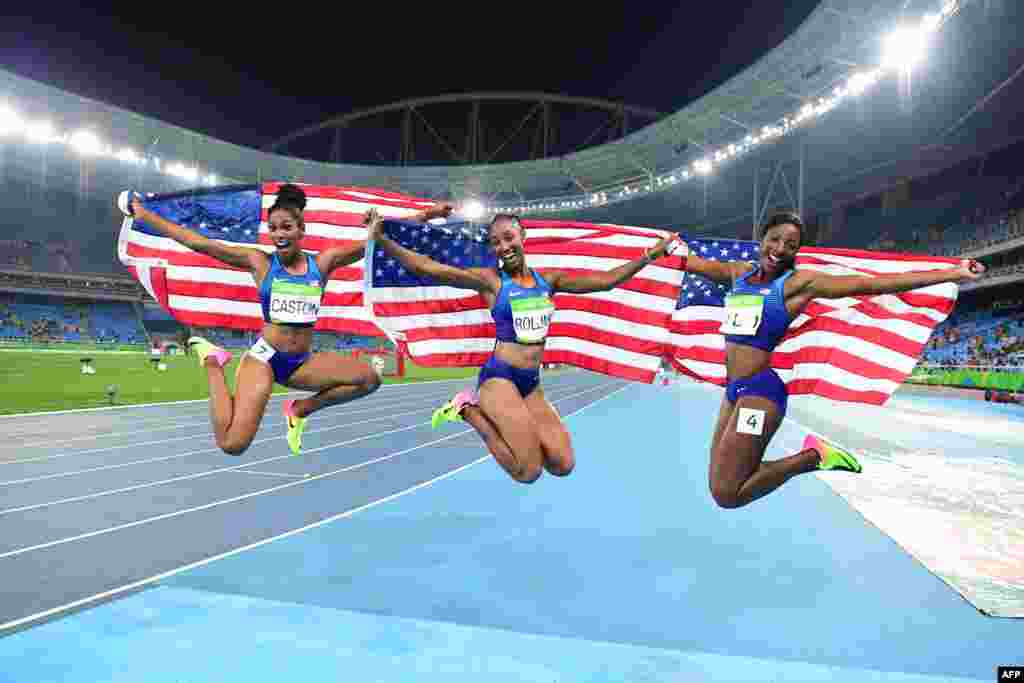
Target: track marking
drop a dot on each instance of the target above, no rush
(205, 473)
(199, 563)
(203, 419)
(390, 404)
(164, 458)
(201, 400)
(251, 494)
(274, 474)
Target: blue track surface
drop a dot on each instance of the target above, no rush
(623, 571)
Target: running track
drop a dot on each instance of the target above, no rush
(132, 549)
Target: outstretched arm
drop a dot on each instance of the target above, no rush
(467, 278)
(602, 282)
(239, 257)
(724, 272)
(339, 257)
(821, 285)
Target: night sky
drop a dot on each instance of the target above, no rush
(251, 78)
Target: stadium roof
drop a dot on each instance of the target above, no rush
(839, 38)
(963, 102)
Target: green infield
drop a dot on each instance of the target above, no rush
(43, 381)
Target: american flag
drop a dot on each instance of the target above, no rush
(857, 349)
(623, 332)
(202, 292)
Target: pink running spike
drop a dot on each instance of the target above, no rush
(811, 442)
(221, 356)
(466, 397)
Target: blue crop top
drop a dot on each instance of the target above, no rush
(756, 315)
(291, 299)
(523, 314)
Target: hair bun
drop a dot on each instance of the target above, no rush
(291, 196)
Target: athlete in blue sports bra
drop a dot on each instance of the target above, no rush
(521, 429)
(764, 299)
(291, 285)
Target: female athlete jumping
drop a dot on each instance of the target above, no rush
(291, 284)
(521, 429)
(765, 298)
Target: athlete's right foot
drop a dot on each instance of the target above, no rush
(832, 457)
(452, 410)
(205, 349)
(296, 425)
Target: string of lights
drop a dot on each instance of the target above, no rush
(903, 50)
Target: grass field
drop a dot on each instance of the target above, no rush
(41, 381)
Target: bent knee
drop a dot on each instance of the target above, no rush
(561, 466)
(528, 474)
(235, 446)
(726, 495)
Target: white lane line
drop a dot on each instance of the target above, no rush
(202, 420)
(213, 558)
(201, 400)
(208, 434)
(274, 474)
(251, 494)
(164, 458)
(205, 473)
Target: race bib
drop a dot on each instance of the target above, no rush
(294, 302)
(261, 350)
(531, 317)
(743, 314)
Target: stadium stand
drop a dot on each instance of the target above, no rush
(54, 319)
(989, 337)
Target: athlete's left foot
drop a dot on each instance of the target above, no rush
(832, 457)
(452, 410)
(205, 349)
(296, 425)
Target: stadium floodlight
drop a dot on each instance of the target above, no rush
(86, 142)
(129, 155)
(9, 121)
(41, 132)
(905, 48)
(183, 171)
(702, 166)
(858, 83)
(472, 209)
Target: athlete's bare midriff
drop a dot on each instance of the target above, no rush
(288, 339)
(743, 361)
(525, 356)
